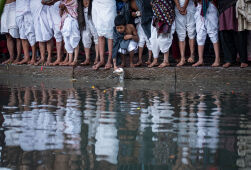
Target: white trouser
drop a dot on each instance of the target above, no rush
(87, 35)
(133, 46)
(161, 42)
(185, 23)
(207, 25)
(142, 36)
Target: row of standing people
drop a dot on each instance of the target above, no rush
(155, 21)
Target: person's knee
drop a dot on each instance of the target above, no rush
(214, 38)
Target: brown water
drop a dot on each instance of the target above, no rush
(118, 128)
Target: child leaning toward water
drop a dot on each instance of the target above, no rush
(125, 41)
(70, 29)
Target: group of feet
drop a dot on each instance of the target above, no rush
(98, 64)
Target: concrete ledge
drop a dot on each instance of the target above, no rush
(171, 78)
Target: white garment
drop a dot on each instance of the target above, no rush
(89, 32)
(103, 16)
(55, 21)
(8, 20)
(26, 27)
(133, 46)
(71, 33)
(22, 6)
(161, 42)
(186, 23)
(207, 25)
(42, 27)
(142, 36)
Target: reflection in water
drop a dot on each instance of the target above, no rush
(97, 128)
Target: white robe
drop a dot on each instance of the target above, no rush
(89, 32)
(103, 15)
(42, 27)
(71, 33)
(24, 21)
(8, 20)
(207, 25)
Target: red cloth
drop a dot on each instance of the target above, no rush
(228, 20)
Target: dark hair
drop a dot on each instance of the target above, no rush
(81, 16)
(120, 20)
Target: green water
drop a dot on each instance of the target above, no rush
(106, 128)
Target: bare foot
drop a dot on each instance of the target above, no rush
(74, 63)
(41, 61)
(226, 65)
(10, 60)
(216, 64)
(148, 62)
(244, 65)
(48, 63)
(85, 63)
(57, 62)
(164, 64)
(199, 63)
(99, 64)
(153, 64)
(132, 65)
(32, 62)
(181, 63)
(108, 66)
(16, 61)
(96, 61)
(191, 59)
(24, 61)
(139, 63)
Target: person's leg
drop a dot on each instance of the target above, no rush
(10, 46)
(87, 55)
(217, 54)
(241, 45)
(109, 61)
(200, 51)
(139, 63)
(49, 50)
(131, 54)
(66, 60)
(97, 54)
(25, 44)
(19, 50)
(101, 44)
(228, 46)
(76, 53)
(42, 53)
(59, 53)
(123, 64)
(115, 67)
(165, 62)
(182, 45)
(191, 46)
(33, 58)
(70, 59)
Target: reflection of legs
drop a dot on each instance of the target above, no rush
(25, 44)
(42, 53)
(10, 46)
(27, 98)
